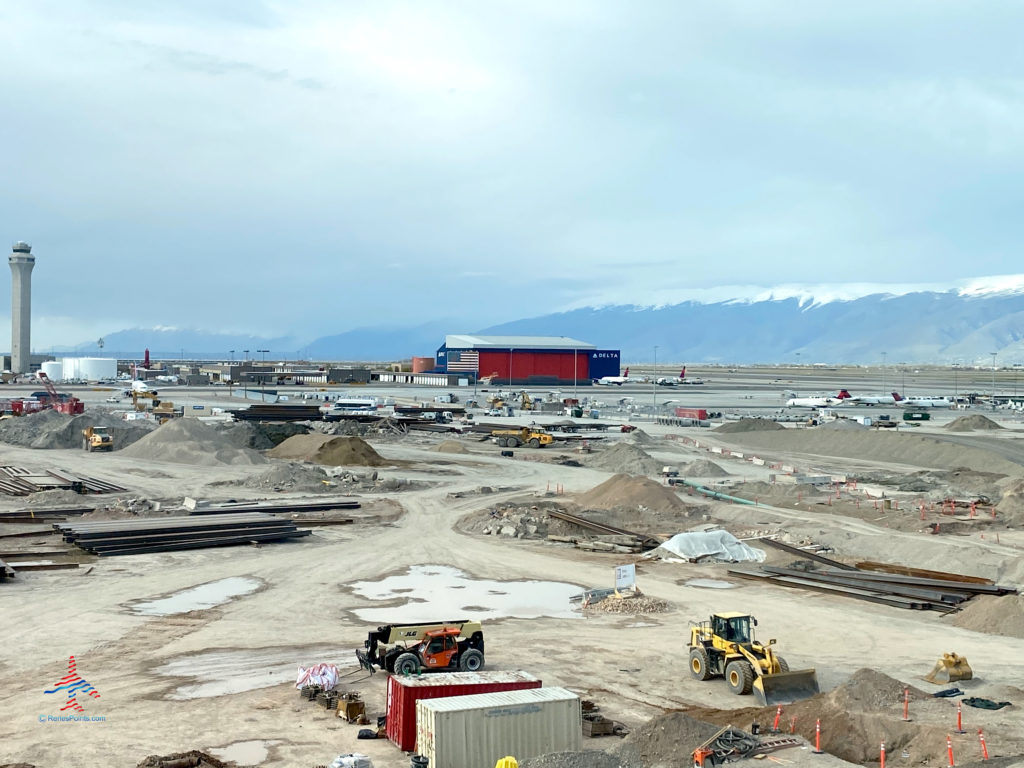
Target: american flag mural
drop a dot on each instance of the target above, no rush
(463, 360)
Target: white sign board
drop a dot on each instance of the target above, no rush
(625, 576)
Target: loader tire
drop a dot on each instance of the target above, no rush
(407, 664)
(739, 677)
(534, 442)
(783, 664)
(471, 661)
(700, 664)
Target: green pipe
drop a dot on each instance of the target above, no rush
(717, 495)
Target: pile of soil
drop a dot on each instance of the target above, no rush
(749, 425)
(292, 476)
(855, 717)
(702, 468)
(840, 424)
(450, 446)
(667, 740)
(996, 615)
(192, 759)
(262, 436)
(639, 437)
(59, 497)
(329, 450)
(971, 423)
(191, 441)
(630, 491)
(1011, 506)
(49, 429)
(623, 457)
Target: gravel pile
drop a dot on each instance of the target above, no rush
(630, 606)
(190, 441)
(627, 458)
(749, 425)
(326, 449)
(50, 429)
(450, 446)
(586, 759)
(996, 615)
(971, 423)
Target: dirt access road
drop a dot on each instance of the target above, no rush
(146, 668)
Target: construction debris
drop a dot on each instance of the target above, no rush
(19, 481)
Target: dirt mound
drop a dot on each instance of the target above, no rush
(702, 468)
(49, 429)
(971, 423)
(666, 740)
(639, 437)
(329, 450)
(623, 457)
(292, 476)
(993, 614)
(262, 436)
(749, 425)
(450, 446)
(840, 424)
(1011, 506)
(190, 441)
(629, 491)
(192, 759)
(855, 717)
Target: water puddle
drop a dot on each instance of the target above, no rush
(710, 584)
(443, 593)
(245, 752)
(638, 624)
(199, 598)
(223, 672)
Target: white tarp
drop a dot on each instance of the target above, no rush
(324, 675)
(710, 545)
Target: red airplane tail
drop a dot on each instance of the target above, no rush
(626, 374)
(682, 373)
(844, 395)
(897, 397)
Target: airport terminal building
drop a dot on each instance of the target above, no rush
(526, 360)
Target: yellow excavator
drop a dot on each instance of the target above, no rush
(724, 646)
(525, 401)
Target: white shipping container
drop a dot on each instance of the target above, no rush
(479, 730)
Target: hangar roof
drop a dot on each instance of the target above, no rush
(467, 341)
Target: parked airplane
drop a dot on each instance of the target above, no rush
(671, 381)
(818, 401)
(890, 399)
(616, 380)
(929, 402)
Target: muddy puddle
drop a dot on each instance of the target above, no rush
(199, 598)
(710, 584)
(227, 671)
(437, 592)
(245, 752)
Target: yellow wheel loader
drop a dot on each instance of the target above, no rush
(724, 646)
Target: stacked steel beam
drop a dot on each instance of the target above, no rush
(894, 585)
(166, 534)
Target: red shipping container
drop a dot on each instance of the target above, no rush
(405, 690)
(692, 413)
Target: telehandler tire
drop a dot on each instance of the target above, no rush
(471, 661)
(407, 664)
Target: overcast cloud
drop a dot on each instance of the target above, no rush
(308, 167)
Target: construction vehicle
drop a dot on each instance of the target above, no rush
(950, 668)
(525, 401)
(406, 648)
(724, 646)
(60, 403)
(513, 438)
(97, 439)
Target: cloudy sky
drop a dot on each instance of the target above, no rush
(310, 166)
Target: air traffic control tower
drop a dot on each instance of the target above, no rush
(22, 261)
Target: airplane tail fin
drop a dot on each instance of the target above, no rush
(626, 374)
(897, 397)
(682, 373)
(844, 394)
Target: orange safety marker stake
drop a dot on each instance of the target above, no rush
(984, 749)
(817, 739)
(959, 719)
(906, 705)
(949, 750)
(792, 726)
(778, 714)
(883, 755)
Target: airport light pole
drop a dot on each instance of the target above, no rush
(993, 379)
(883, 370)
(264, 353)
(232, 355)
(246, 354)
(956, 390)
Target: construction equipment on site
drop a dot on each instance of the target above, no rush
(407, 648)
(97, 439)
(731, 744)
(507, 762)
(724, 646)
(950, 668)
(525, 401)
(60, 403)
(513, 438)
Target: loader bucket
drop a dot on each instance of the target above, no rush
(785, 687)
(950, 668)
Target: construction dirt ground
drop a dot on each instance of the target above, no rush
(463, 532)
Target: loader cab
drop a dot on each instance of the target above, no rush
(733, 627)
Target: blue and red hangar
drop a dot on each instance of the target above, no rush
(526, 360)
